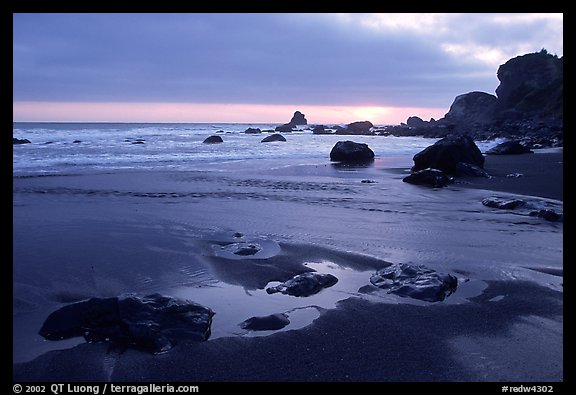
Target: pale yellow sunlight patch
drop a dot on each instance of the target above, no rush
(212, 112)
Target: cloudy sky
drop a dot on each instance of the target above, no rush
(336, 68)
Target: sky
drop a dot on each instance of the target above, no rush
(261, 68)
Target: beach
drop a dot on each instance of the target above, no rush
(98, 235)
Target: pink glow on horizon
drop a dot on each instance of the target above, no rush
(212, 112)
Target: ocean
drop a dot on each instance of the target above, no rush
(85, 148)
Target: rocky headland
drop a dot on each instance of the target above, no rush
(527, 106)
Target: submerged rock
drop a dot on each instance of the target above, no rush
(243, 249)
(305, 284)
(16, 141)
(268, 323)
(418, 282)
(153, 323)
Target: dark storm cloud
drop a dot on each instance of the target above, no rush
(243, 58)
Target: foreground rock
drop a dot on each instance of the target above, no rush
(349, 151)
(447, 153)
(512, 147)
(16, 141)
(418, 282)
(268, 323)
(213, 140)
(430, 177)
(152, 323)
(305, 284)
(273, 137)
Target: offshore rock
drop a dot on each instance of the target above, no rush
(418, 282)
(305, 284)
(298, 119)
(253, 131)
(357, 128)
(152, 323)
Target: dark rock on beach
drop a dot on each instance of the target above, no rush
(512, 147)
(507, 204)
(469, 170)
(16, 141)
(430, 177)
(418, 282)
(447, 153)
(548, 215)
(273, 137)
(349, 151)
(213, 140)
(305, 284)
(152, 323)
(268, 323)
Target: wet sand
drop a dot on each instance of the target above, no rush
(537, 174)
(82, 236)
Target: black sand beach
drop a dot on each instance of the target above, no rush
(103, 235)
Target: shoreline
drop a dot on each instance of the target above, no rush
(147, 232)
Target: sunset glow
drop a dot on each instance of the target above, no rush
(207, 112)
